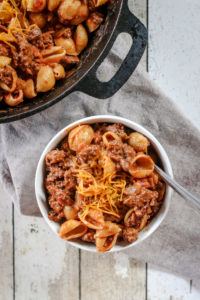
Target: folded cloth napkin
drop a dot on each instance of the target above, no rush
(176, 244)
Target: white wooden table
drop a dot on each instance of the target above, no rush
(35, 264)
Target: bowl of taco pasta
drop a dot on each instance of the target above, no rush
(96, 185)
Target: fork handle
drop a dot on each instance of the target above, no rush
(177, 187)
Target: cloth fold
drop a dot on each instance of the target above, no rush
(176, 244)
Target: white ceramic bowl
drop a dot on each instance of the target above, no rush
(40, 190)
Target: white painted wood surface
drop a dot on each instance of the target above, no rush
(44, 267)
(6, 247)
(174, 64)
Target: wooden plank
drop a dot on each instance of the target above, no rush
(166, 286)
(45, 267)
(174, 52)
(111, 276)
(174, 66)
(6, 247)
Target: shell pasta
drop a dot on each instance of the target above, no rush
(41, 41)
(101, 186)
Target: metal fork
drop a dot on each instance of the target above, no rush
(177, 187)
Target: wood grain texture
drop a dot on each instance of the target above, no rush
(170, 286)
(174, 58)
(6, 247)
(45, 267)
(111, 276)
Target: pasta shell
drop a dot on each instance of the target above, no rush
(68, 9)
(79, 199)
(4, 61)
(143, 222)
(127, 216)
(40, 19)
(108, 166)
(35, 5)
(94, 219)
(138, 141)
(100, 2)
(72, 229)
(13, 100)
(80, 136)
(14, 81)
(110, 136)
(53, 55)
(59, 71)
(80, 38)
(106, 244)
(70, 213)
(108, 229)
(142, 166)
(81, 15)
(67, 44)
(45, 79)
(29, 89)
(52, 4)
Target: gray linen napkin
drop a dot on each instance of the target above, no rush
(176, 244)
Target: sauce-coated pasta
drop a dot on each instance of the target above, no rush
(40, 42)
(101, 186)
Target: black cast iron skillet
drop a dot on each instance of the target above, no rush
(119, 19)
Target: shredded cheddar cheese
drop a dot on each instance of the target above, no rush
(104, 193)
(15, 20)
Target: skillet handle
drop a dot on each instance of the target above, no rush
(127, 23)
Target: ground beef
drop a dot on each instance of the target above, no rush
(89, 236)
(4, 50)
(65, 146)
(97, 138)
(28, 55)
(34, 33)
(130, 234)
(70, 180)
(43, 41)
(70, 59)
(118, 129)
(55, 156)
(128, 156)
(6, 76)
(15, 56)
(60, 182)
(55, 204)
(88, 153)
(122, 154)
(56, 217)
(115, 150)
(137, 195)
(55, 173)
(95, 18)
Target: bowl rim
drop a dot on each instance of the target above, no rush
(57, 138)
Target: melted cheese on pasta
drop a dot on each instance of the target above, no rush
(9, 10)
(103, 193)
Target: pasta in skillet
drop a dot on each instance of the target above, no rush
(40, 42)
(102, 186)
